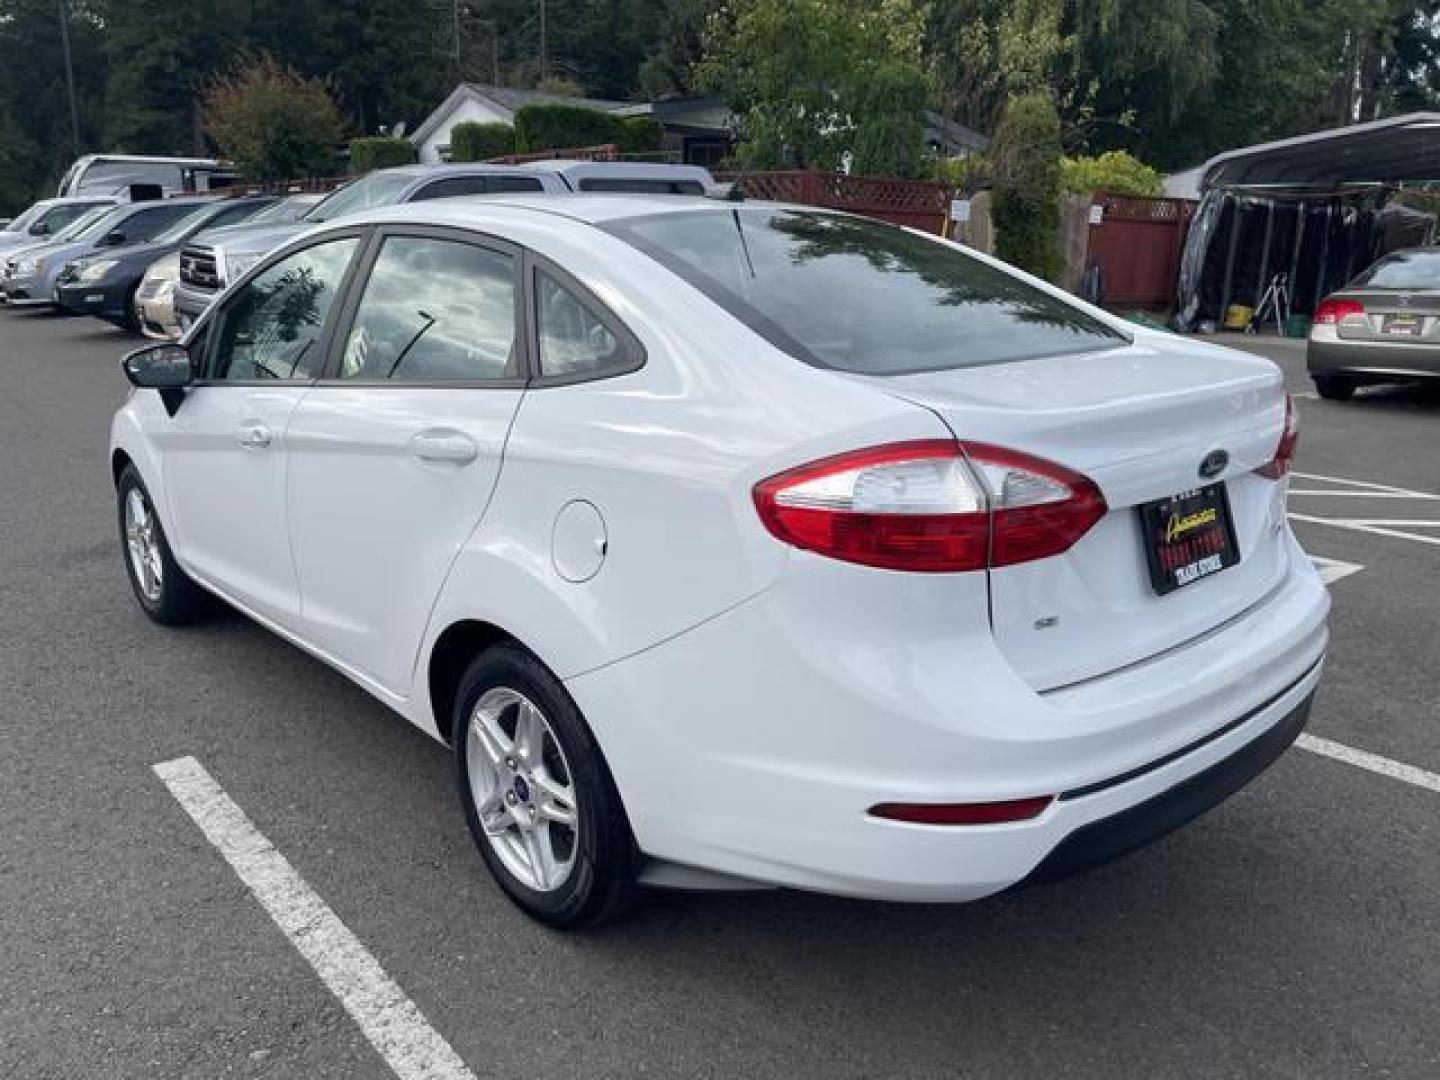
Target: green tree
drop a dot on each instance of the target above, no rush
(35, 136)
(810, 79)
(1025, 164)
(273, 123)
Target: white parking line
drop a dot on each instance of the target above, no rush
(1363, 759)
(1366, 485)
(1374, 530)
(1332, 570)
(387, 1017)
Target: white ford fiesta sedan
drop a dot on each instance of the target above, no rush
(731, 543)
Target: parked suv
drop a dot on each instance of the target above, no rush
(46, 219)
(32, 277)
(104, 284)
(206, 268)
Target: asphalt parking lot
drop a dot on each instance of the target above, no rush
(1292, 932)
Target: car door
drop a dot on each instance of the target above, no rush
(395, 453)
(224, 449)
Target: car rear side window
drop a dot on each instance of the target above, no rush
(575, 340)
(637, 185)
(435, 311)
(862, 296)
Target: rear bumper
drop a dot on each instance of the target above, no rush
(1119, 834)
(1329, 354)
(754, 746)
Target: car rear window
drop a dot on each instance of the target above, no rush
(640, 185)
(1404, 270)
(862, 296)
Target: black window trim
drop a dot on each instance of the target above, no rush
(204, 325)
(365, 263)
(635, 356)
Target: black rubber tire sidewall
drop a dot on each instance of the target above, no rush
(602, 884)
(181, 600)
(1334, 388)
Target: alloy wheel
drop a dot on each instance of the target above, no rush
(523, 789)
(143, 545)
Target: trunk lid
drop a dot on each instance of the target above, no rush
(1137, 420)
(1390, 315)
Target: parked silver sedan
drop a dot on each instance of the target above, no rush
(1382, 327)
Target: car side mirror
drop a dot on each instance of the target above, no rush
(113, 239)
(164, 367)
(40, 228)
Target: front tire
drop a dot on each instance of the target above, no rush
(164, 591)
(1334, 388)
(537, 794)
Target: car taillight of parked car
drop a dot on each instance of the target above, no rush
(931, 506)
(1279, 466)
(1332, 311)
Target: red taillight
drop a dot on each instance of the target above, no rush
(985, 813)
(1332, 311)
(930, 506)
(1279, 465)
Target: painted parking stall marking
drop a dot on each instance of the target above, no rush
(387, 1017)
(1325, 500)
(1363, 759)
(1333, 570)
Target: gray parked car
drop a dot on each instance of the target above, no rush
(207, 267)
(1382, 327)
(30, 275)
(45, 219)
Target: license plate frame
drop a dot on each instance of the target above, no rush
(1188, 537)
(1402, 325)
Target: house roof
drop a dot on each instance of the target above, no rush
(951, 135)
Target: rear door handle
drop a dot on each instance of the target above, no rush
(441, 445)
(253, 434)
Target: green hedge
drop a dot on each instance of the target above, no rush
(643, 134)
(564, 127)
(369, 154)
(1115, 172)
(472, 140)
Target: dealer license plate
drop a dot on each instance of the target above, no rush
(1188, 537)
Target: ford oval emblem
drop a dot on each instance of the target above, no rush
(1213, 464)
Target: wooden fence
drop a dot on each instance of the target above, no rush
(1137, 246)
(917, 203)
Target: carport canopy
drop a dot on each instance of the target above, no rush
(1399, 150)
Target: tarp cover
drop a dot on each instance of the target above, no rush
(1400, 150)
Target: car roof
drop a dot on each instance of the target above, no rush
(460, 168)
(667, 170)
(592, 209)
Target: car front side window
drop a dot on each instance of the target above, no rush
(270, 329)
(435, 310)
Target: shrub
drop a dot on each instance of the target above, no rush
(272, 122)
(558, 127)
(1025, 158)
(643, 134)
(471, 140)
(1114, 171)
(379, 153)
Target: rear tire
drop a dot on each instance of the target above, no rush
(526, 761)
(164, 591)
(1334, 388)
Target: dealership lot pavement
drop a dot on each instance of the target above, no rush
(1292, 932)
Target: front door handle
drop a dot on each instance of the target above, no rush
(254, 435)
(442, 445)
